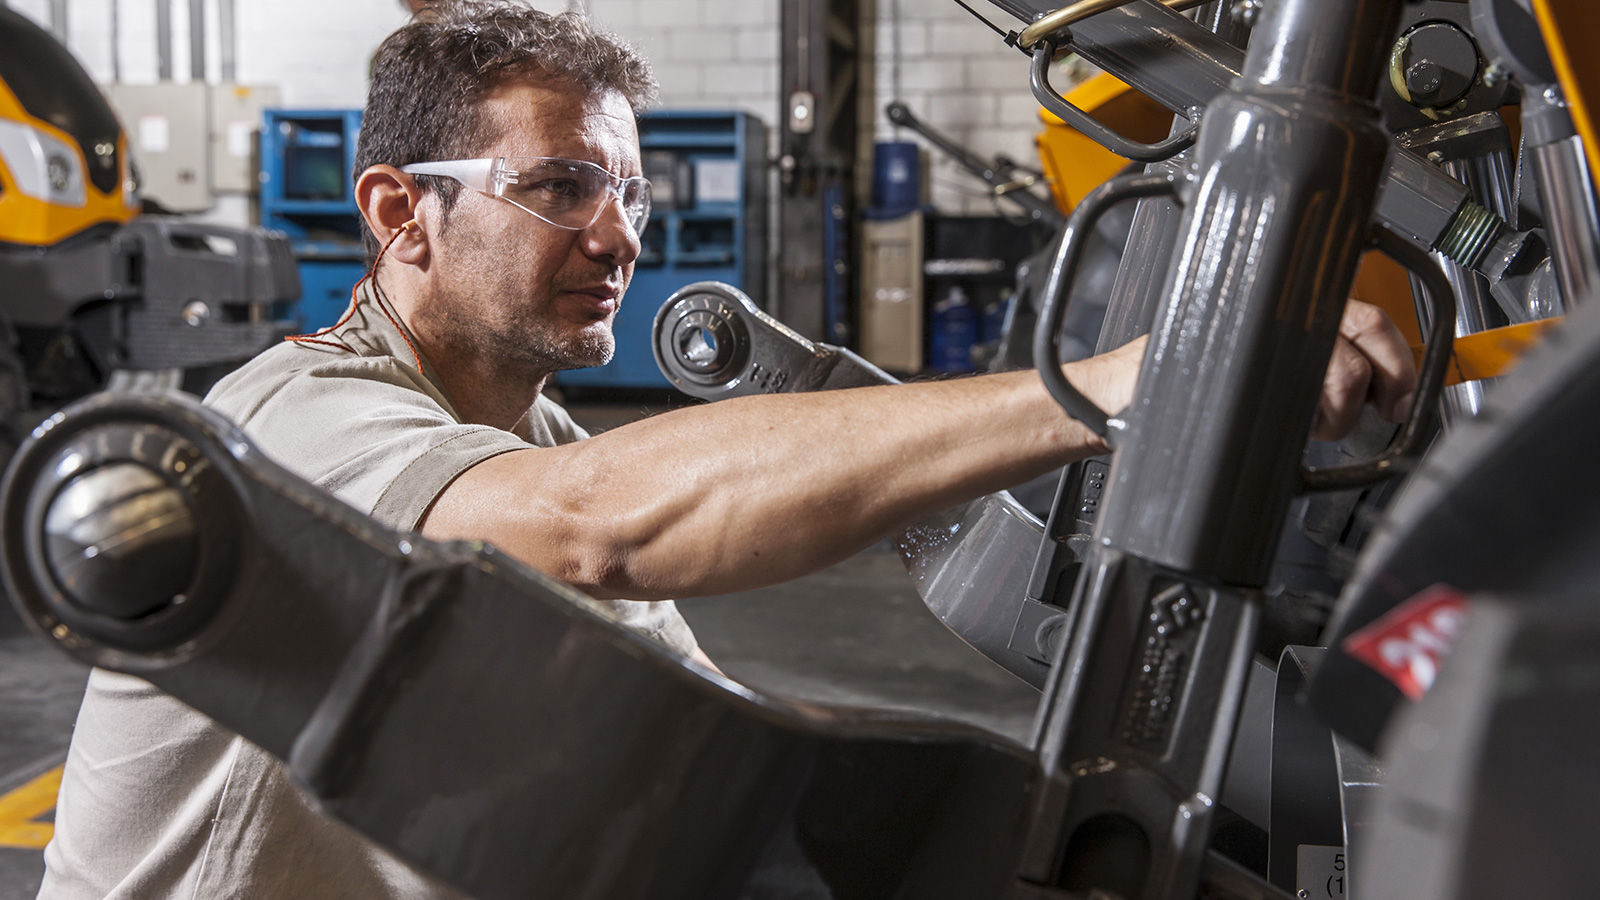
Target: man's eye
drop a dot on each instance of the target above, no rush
(557, 187)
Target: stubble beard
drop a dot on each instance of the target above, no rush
(543, 349)
(525, 348)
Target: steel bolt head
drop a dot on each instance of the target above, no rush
(1424, 77)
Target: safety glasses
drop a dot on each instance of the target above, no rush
(567, 193)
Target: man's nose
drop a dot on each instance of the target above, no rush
(611, 236)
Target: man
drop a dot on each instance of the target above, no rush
(499, 168)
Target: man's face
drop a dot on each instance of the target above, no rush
(535, 296)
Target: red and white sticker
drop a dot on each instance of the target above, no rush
(1406, 644)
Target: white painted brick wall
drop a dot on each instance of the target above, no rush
(953, 71)
(719, 54)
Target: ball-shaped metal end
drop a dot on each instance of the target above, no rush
(121, 541)
(122, 529)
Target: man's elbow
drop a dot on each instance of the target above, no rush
(596, 567)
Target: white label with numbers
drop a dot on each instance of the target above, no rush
(1319, 872)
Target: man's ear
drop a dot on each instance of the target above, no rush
(388, 199)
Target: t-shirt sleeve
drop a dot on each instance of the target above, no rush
(369, 431)
(377, 435)
(562, 429)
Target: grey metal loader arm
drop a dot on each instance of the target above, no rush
(971, 563)
(486, 723)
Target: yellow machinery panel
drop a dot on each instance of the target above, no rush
(1073, 163)
(35, 222)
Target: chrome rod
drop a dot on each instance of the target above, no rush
(1067, 15)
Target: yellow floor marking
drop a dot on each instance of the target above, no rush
(19, 808)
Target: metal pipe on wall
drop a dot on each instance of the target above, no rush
(116, 41)
(164, 39)
(227, 41)
(197, 40)
(58, 19)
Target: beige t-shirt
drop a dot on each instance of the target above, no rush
(159, 801)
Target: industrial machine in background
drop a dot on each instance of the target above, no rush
(92, 289)
(1074, 164)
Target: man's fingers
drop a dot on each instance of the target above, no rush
(1344, 391)
(1393, 372)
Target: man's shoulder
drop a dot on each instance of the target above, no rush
(310, 372)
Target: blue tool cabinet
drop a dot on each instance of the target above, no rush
(307, 156)
(707, 172)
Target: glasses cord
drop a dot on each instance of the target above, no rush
(355, 301)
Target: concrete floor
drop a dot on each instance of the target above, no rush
(39, 692)
(853, 634)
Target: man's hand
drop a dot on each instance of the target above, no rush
(1371, 362)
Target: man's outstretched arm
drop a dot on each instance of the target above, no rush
(758, 490)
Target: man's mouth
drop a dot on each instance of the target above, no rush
(604, 298)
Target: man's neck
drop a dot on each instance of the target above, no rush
(484, 390)
(484, 395)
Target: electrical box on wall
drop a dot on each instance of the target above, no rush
(167, 126)
(235, 135)
(192, 141)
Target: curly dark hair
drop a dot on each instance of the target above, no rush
(429, 79)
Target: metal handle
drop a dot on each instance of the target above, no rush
(1046, 350)
(1052, 100)
(1408, 442)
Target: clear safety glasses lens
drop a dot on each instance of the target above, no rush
(571, 193)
